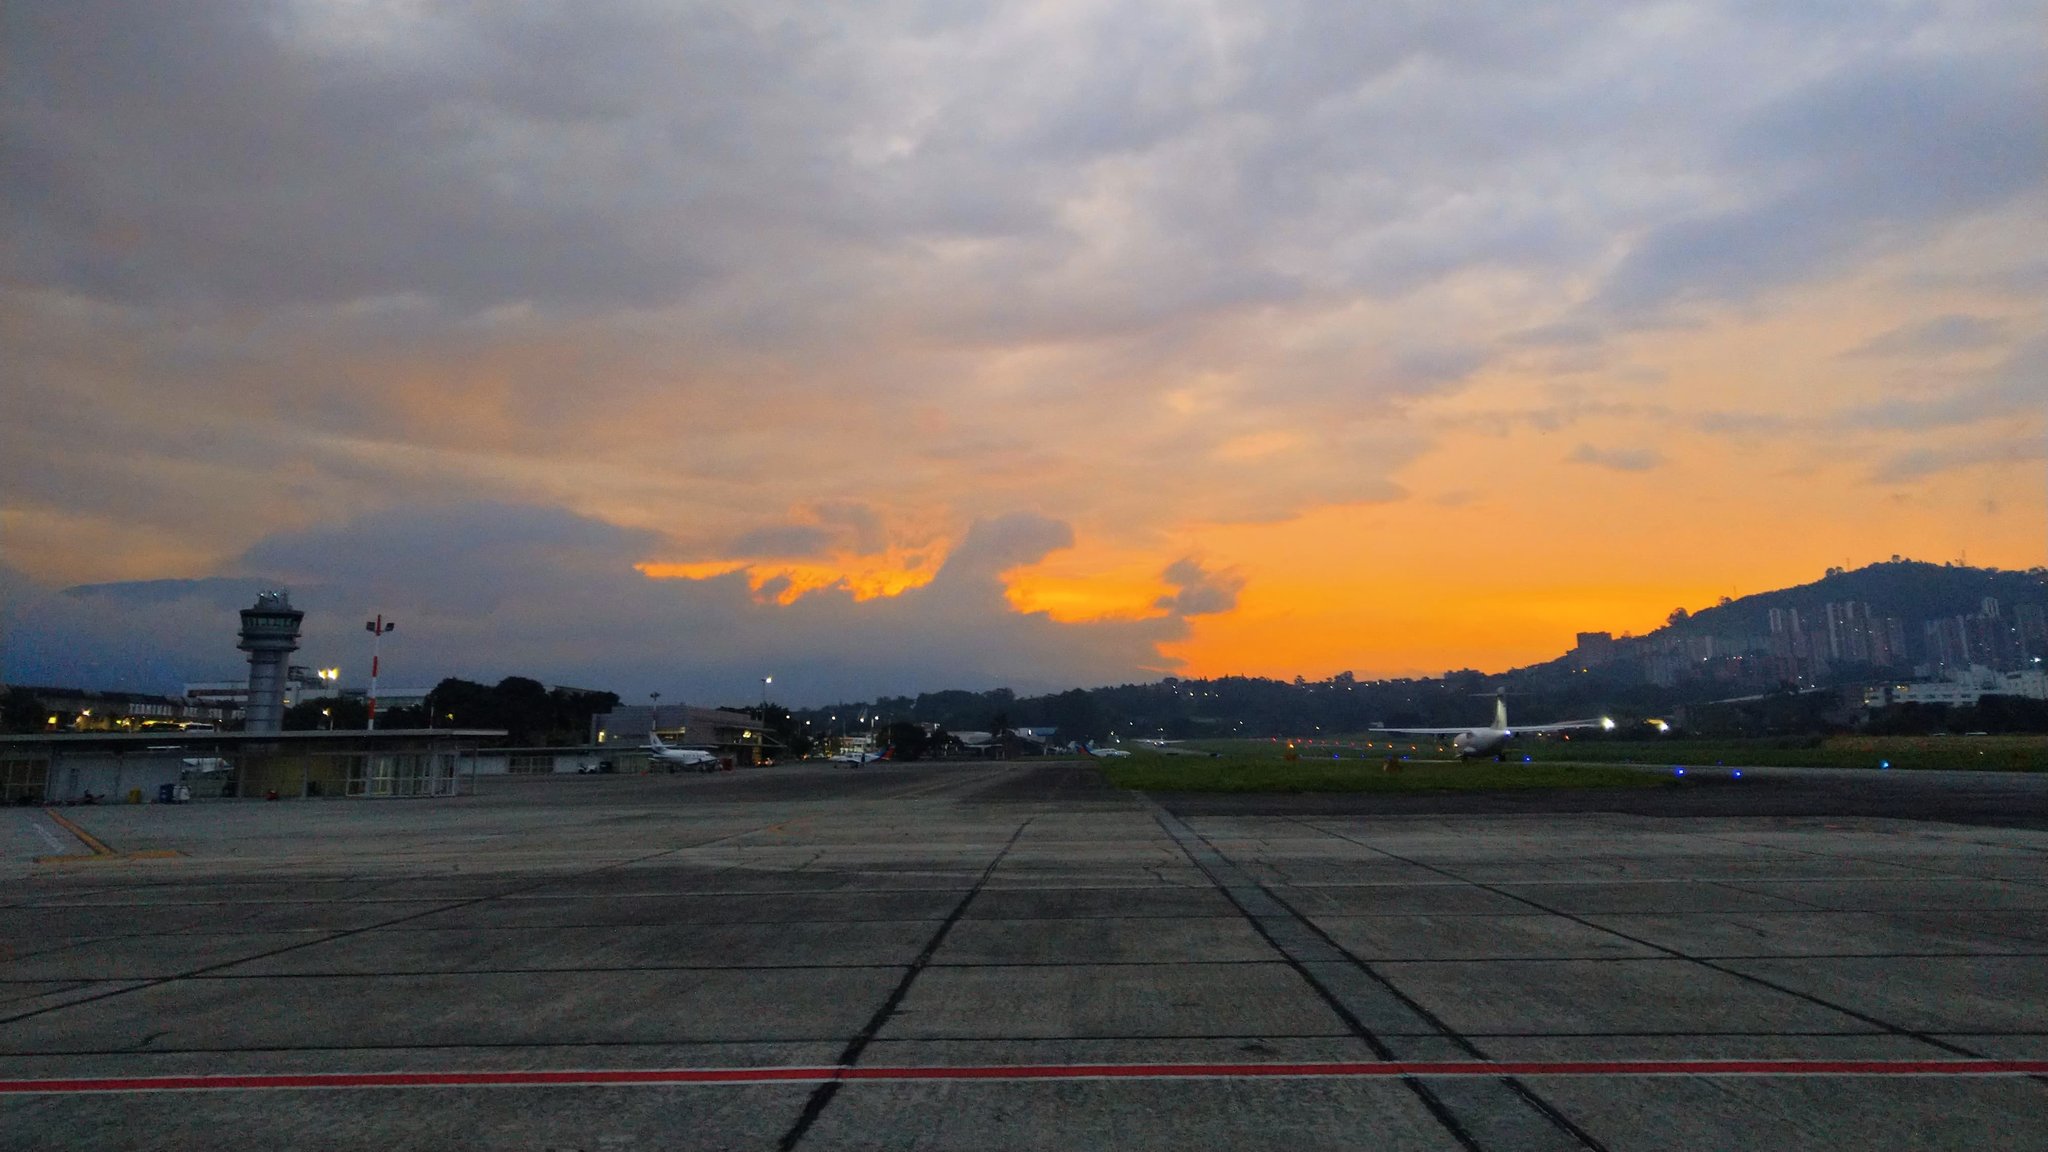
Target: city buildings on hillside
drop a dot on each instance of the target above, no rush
(1807, 647)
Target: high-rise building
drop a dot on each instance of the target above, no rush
(2032, 623)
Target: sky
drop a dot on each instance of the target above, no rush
(890, 347)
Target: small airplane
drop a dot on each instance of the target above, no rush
(855, 758)
(1089, 749)
(1493, 741)
(672, 758)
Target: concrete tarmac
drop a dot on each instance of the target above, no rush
(1018, 956)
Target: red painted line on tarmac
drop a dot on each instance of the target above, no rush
(712, 1076)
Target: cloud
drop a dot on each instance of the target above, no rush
(1921, 463)
(1856, 162)
(804, 294)
(782, 541)
(1197, 591)
(538, 591)
(869, 532)
(1618, 459)
(1953, 332)
(2008, 393)
(996, 545)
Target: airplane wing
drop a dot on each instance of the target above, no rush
(1564, 725)
(1428, 731)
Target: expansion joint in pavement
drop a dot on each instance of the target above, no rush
(1500, 1113)
(207, 969)
(822, 1095)
(1762, 982)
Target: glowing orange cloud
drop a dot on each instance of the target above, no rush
(866, 581)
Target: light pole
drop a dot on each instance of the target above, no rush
(327, 678)
(761, 735)
(377, 628)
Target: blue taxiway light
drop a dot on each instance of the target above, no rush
(1677, 771)
(1884, 763)
(1738, 773)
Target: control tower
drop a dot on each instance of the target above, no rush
(270, 634)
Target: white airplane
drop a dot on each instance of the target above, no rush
(1089, 749)
(1493, 741)
(855, 758)
(662, 754)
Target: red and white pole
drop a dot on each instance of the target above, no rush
(377, 628)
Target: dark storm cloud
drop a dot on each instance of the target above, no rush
(495, 589)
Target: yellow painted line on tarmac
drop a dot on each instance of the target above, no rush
(99, 849)
(98, 846)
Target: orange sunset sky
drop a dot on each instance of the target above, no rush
(888, 349)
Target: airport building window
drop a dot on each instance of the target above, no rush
(24, 778)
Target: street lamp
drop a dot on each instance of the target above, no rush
(761, 737)
(376, 628)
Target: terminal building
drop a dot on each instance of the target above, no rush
(169, 757)
(1962, 689)
(140, 767)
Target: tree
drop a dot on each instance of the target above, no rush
(343, 712)
(1075, 714)
(785, 727)
(22, 711)
(907, 741)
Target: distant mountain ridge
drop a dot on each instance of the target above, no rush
(1907, 589)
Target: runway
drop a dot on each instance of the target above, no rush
(995, 956)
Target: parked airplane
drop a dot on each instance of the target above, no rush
(853, 759)
(1089, 749)
(1493, 741)
(663, 755)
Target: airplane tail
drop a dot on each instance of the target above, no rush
(1500, 712)
(654, 741)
